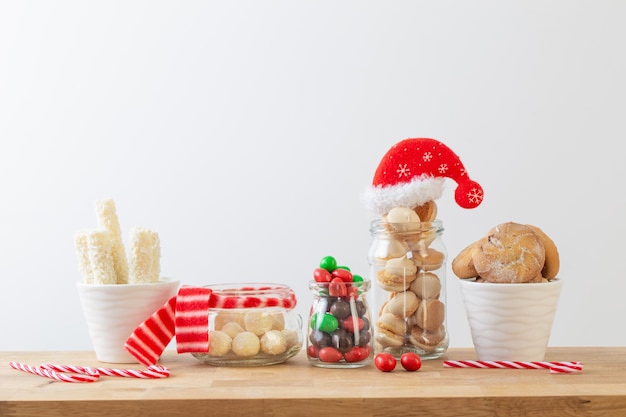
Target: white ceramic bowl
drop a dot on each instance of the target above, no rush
(113, 312)
(510, 321)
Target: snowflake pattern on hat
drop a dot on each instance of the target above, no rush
(413, 172)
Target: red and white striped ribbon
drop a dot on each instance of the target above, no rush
(554, 367)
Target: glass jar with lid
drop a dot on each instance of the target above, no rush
(251, 325)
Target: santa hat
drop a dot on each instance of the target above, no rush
(413, 172)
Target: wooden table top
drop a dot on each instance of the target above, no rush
(297, 388)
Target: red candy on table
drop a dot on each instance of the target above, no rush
(411, 361)
(385, 362)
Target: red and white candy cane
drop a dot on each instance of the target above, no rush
(86, 376)
(71, 373)
(554, 367)
(151, 372)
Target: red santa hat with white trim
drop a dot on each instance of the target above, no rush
(413, 172)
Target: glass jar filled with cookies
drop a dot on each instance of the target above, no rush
(407, 259)
(252, 325)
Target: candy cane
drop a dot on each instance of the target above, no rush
(71, 373)
(151, 372)
(554, 367)
(49, 373)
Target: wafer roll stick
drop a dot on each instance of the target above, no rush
(100, 257)
(82, 253)
(156, 256)
(145, 254)
(107, 219)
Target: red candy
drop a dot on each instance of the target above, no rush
(385, 362)
(312, 351)
(343, 274)
(353, 292)
(348, 323)
(321, 275)
(411, 361)
(337, 288)
(329, 354)
(357, 354)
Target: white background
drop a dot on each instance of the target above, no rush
(244, 132)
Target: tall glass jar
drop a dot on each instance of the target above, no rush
(408, 270)
(339, 331)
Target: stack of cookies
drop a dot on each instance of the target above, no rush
(410, 270)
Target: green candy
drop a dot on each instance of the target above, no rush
(357, 278)
(325, 322)
(343, 267)
(328, 263)
(314, 321)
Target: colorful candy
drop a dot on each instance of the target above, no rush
(340, 332)
(385, 362)
(325, 322)
(328, 263)
(411, 361)
(329, 354)
(337, 288)
(352, 323)
(357, 354)
(321, 275)
(342, 274)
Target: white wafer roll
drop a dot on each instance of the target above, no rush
(145, 256)
(100, 257)
(82, 253)
(156, 257)
(107, 219)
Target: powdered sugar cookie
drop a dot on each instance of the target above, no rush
(258, 322)
(246, 344)
(273, 343)
(219, 343)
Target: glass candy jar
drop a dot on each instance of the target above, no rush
(408, 271)
(339, 333)
(252, 325)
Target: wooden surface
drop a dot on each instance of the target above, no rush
(296, 388)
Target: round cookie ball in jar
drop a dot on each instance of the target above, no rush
(252, 325)
(339, 331)
(408, 270)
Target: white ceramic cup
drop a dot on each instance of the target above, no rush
(510, 322)
(113, 312)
